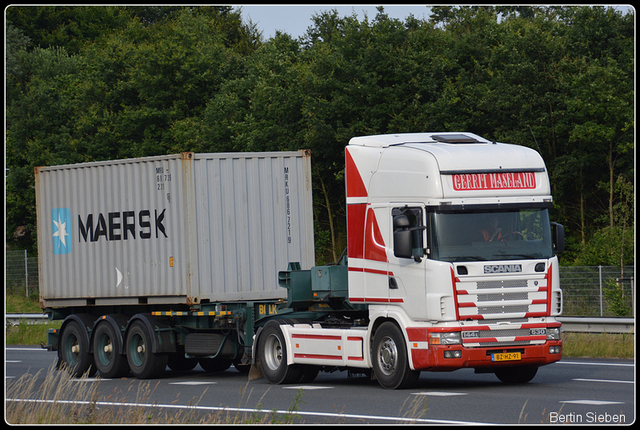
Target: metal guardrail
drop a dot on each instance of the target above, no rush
(569, 324)
(14, 319)
(598, 324)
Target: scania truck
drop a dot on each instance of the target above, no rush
(209, 258)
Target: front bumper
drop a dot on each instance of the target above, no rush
(460, 357)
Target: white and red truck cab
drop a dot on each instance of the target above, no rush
(451, 264)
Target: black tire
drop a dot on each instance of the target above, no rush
(215, 364)
(179, 363)
(74, 350)
(308, 373)
(143, 362)
(389, 358)
(516, 375)
(272, 353)
(107, 353)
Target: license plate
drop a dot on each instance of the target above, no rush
(507, 356)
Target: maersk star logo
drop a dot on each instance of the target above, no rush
(61, 230)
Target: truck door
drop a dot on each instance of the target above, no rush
(375, 254)
(407, 259)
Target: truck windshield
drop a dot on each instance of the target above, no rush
(486, 236)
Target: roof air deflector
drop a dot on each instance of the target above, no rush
(454, 138)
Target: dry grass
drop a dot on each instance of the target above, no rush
(61, 399)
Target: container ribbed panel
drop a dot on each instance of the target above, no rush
(179, 228)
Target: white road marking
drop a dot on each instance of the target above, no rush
(193, 383)
(603, 380)
(591, 402)
(89, 379)
(594, 364)
(306, 387)
(225, 409)
(438, 394)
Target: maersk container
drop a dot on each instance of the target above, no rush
(176, 229)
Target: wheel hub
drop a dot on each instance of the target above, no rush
(274, 355)
(388, 355)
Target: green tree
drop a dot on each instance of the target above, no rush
(95, 83)
(137, 90)
(65, 26)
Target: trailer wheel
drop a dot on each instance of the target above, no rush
(107, 354)
(74, 350)
(516, 375)
(389, 358)
(272, 352)
(143, 362)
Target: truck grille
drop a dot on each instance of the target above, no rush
(509, 283)
(506, 299)
(496, 302)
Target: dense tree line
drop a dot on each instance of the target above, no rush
(98, 83)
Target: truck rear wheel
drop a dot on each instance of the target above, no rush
(389, 358)
(143, 362)
(74, 350)
(516, 375)
(273, 356)
(107, 354)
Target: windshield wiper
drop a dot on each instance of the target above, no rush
(468, 257)
(532, 257)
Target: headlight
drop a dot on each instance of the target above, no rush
(553, 333)
(445, 338)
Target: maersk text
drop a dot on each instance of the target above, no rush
(121, 226)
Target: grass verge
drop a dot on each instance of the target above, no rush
(598, 345)
(20, 304)
(29, 334)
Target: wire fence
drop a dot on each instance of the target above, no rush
(21, 273)
(586, 290)
(598, 290)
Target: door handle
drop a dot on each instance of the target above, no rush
(393, 285)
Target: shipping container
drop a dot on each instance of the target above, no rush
(177, 229)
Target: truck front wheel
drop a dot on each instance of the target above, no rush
(273, 356)
(389, 358)
(143, 362)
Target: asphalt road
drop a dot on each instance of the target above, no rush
(586, 391)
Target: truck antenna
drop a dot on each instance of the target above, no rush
(534, 139)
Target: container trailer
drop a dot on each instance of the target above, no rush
(209, 258)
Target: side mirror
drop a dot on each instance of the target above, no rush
(557, 231)
(406, 240)
(401, 221)
(402, 244)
